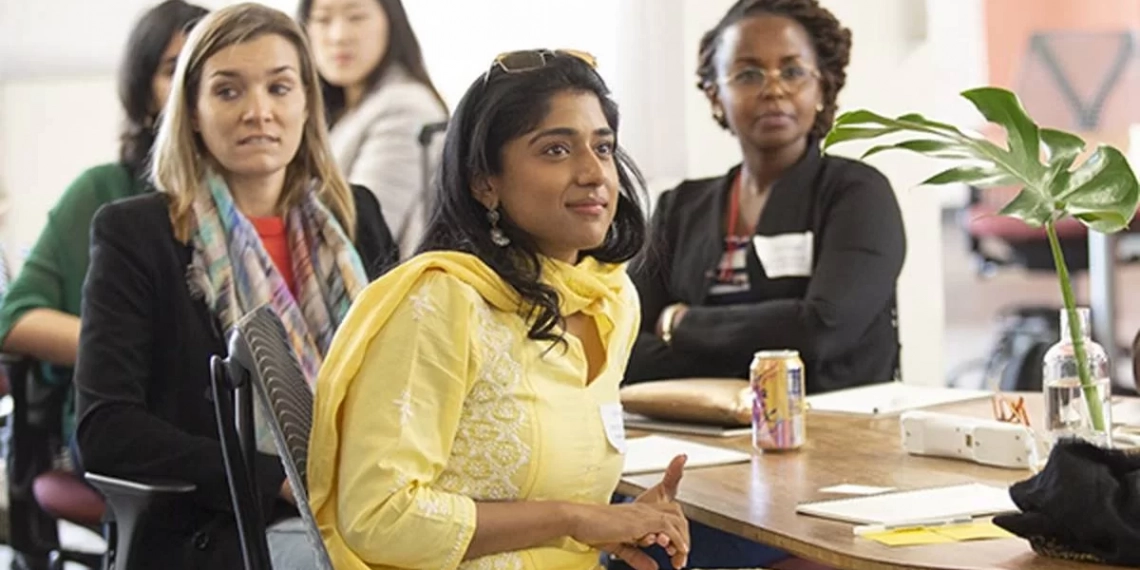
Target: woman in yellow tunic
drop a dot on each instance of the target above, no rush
(467, 415)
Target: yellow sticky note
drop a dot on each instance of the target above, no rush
(973, 531)
(908, 537)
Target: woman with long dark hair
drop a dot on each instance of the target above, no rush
(40, 313)
(379, 96)
(468, 409)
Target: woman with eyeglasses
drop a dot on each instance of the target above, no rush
(790, 249)
(468, 414)
(379, 96)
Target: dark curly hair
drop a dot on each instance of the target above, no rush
(830, 40)
(494, 111)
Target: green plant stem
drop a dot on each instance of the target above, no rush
(1096, 412)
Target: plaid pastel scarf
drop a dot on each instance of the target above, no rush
(234, 273)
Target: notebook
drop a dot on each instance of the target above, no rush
(889, 398)
(653, 453)
(938, 503)
(636, 421)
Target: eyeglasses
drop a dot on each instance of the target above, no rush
(793, 77)
(531, 59)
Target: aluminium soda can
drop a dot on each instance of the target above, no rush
(778, 405)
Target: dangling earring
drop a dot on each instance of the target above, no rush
(497, 236)
(819, 108)
(718, 115)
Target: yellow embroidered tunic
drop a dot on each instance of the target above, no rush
(432, 397)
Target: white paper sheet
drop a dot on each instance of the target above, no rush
(653, 453)
(889, 398)
(848, 489)
(972, 500)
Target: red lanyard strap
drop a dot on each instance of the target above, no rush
(730, 240)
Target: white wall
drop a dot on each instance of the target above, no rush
(59, 112)
(460, 38)
(651, 87)
(50, 131)
(66, 38)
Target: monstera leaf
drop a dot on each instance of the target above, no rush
(1100, 191)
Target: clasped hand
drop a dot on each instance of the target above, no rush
(654, 517)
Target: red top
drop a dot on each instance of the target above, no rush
(276, 242)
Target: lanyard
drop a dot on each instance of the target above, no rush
(730, 245)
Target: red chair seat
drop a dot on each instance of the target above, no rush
(985, 222)
(63, 495)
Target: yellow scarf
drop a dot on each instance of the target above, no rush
(589, 287)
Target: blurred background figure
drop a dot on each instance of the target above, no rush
(39, 316)
(379, 96)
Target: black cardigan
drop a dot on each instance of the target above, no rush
(143, 376)
(841, 318)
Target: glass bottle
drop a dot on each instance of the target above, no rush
(1070, 408)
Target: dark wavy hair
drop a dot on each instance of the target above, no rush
(141, 60)
(493, 112)
(830, 40)
(403, 49)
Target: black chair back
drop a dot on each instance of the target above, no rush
(239, 475)
(260, 348)
(430, 142)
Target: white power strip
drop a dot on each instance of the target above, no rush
(988, 442)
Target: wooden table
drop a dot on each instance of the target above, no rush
(757, 500)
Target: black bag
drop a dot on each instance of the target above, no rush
(1015, 363)
(1084, 505)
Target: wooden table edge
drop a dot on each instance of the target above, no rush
(790, 545)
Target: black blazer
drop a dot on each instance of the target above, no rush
(143, 376)
(841, 318)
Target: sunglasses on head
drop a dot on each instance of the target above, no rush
(531, 59)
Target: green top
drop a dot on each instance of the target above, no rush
(52, 275)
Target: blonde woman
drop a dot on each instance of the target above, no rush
(250, 210)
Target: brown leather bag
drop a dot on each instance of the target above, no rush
(723, 402)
